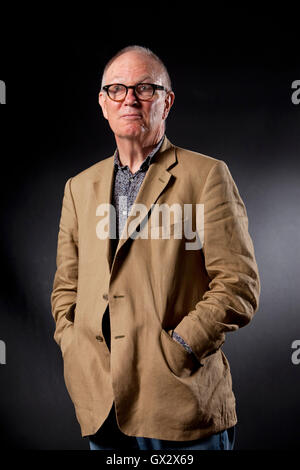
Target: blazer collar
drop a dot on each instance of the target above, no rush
(154, 183)
(146, 162)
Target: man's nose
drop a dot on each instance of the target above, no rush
(131, 97)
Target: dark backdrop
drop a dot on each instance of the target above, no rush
(233, 102)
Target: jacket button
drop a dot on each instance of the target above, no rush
(105, 296)
(99, 338)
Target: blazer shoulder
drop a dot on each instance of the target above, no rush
(79, 181)
(94, 171)
(190, 161)
(196, 157)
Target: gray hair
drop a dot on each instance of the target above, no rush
(145, 51)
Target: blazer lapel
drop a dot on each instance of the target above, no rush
(154, 183)
(103, 188)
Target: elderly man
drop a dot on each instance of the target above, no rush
(141, 315)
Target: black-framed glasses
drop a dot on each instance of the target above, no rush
(143, 91)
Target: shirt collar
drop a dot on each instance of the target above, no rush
(145, 164)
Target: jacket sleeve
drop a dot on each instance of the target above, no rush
(233, 294)
(64, 292)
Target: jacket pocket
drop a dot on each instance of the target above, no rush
(70, 315)
(180, 362)
(67, 337)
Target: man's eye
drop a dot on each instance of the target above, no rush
(144, 87)
(115, 88)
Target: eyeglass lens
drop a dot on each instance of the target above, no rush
(143, 90)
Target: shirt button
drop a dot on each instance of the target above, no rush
(99, 338)
(105, 296)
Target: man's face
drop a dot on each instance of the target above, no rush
(133, 118)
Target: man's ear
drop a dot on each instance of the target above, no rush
(102, 102)
(168, 103)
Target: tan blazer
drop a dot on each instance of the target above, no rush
(153, 286)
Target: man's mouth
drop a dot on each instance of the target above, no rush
(131, 116)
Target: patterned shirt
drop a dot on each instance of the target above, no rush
(127, 185)
(126, 188)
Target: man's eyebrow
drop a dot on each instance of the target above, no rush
(119, 79)
(145, 78)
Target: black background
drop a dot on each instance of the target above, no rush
(232, 79)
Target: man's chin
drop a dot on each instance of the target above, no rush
(133, 134)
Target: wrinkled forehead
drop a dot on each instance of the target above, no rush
(132, 68)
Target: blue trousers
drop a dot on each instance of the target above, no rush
(109, 437)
